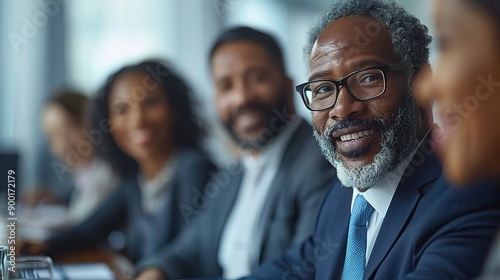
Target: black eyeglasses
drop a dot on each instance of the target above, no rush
(362, 85)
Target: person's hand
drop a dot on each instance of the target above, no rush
(33, 248)
(39, 195)
(151, 274)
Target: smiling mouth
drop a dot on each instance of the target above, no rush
(355, 144)
(356, 135)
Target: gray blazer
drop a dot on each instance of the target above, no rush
(145, 233)
(287, 218)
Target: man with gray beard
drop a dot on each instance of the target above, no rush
(397, 143)
(393, 215)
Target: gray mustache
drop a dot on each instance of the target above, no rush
(378, 122)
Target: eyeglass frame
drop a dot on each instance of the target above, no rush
(385, 68)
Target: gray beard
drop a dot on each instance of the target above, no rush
(397, 142)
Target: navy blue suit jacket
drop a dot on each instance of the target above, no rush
(431, 231)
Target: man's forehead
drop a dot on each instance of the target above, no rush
(240, 55)
(327, 48)
(350, 38)
(329, 51)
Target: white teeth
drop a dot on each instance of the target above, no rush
(356, 135)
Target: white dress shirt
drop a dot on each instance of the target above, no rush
(380, 196)
(93, 184)
(237, 240)
(155, 192)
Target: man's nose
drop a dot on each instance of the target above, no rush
(346, 107)
(243, 94)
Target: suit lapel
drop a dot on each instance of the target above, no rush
(264, 222)
(334, 235)
(279, 182)
(418, 174)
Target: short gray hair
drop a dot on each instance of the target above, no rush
(409, 37)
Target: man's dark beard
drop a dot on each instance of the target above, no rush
(267, 133)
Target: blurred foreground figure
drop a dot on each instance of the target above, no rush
(466, 88)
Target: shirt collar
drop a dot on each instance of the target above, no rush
(154, 192)
(160, 181)
(380, 195)
(83, 173)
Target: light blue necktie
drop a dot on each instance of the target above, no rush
(355, 256)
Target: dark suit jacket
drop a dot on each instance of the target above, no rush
(431, 231)
(122, 209)
(287, 216)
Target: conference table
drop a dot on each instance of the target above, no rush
(121, 267)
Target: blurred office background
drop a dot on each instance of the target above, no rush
(50, 44)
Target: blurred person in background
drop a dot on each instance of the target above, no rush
(65, 121)
(151, 137)
(466, 88)
(267, 201)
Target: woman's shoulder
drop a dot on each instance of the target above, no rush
(194, 158)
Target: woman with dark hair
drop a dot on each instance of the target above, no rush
(466, 88)
(64, 121)
(144, 119)
(163, 98)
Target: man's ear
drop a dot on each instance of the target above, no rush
(421, 92)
